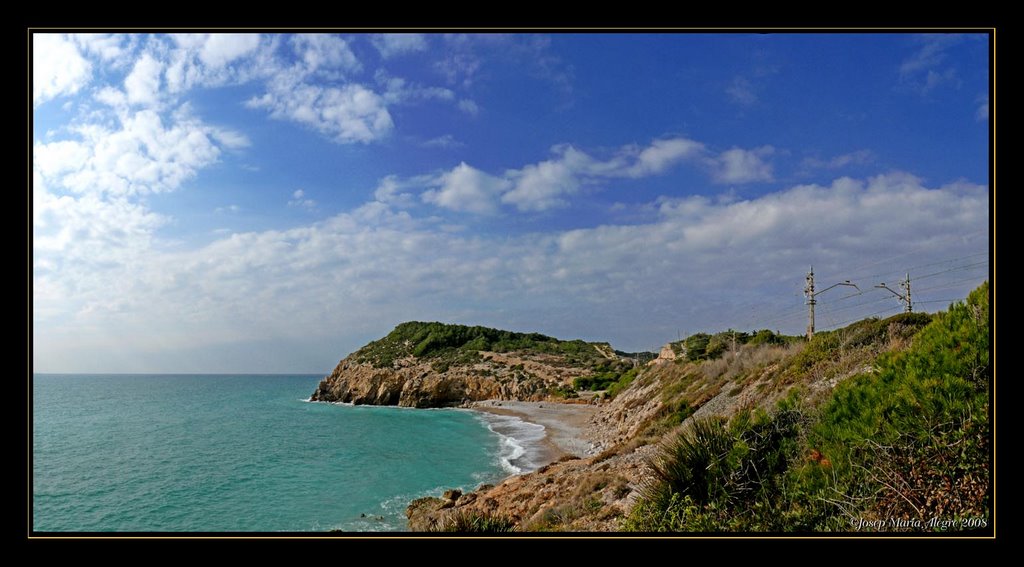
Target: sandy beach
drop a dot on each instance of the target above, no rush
(565, 425)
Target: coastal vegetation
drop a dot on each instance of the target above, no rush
(903, 443)
(882, 423)
(461, 344)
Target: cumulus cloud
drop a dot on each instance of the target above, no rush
(548, 184)
(348, 113)
(325, 51)
(207, 60)
(742, 166)
(58, 67)
(663, 154)
(107, 47)
(219, 49)
(142, 85)
(299, 199)
(540, 187)
(468, 189)
(351, 113)
(394, 44)
(313, 85)
(401, 193)
(146, 154)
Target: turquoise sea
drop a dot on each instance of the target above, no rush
(247, 453)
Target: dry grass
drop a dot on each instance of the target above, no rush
(746, 360)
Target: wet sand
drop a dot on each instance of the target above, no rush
(565, 425)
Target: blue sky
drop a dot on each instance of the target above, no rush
(269, 203)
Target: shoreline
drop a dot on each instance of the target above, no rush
(565, 427)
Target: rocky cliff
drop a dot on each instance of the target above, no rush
(426, 365)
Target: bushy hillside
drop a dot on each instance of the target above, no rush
(898, 440)
(461, 344)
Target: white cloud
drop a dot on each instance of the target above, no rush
(227, 209)
(446, 141)
(142, 85)
(463, 56)
(230, 139)
(465, 188)
(57, 67)
(399, 193)
(926, 68)
(112, 97)
(394, 44)
(219, 49)
(313, 89)
(930, 54)
(663, 154)
(350, 278)
(108, 47)
(325, 51)
(548, 184)
(398, 90)
(299, 200)
(741, 92)
(469, 107)
(143, 156)
(858, 157)
(981, 115)
(742, 166)
(540, 187)
(348, 114)
(209, 60)
(59, 157)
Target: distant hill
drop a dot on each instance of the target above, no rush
(436, 364)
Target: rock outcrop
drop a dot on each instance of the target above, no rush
(415, 382)
(426, 365)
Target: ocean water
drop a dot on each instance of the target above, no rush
(200, 453)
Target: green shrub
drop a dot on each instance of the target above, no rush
(912, 439)
(461, 344)
(720, 476)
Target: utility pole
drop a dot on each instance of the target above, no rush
(809, 292)
(908, 306)
(812, 298)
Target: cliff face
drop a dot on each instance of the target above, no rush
(414, 383)
(425, 365)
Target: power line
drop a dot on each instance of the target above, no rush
(910, 253)
(872, 302)
(950, 284)
(956, 269)
(866, 316)
(928, 265)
